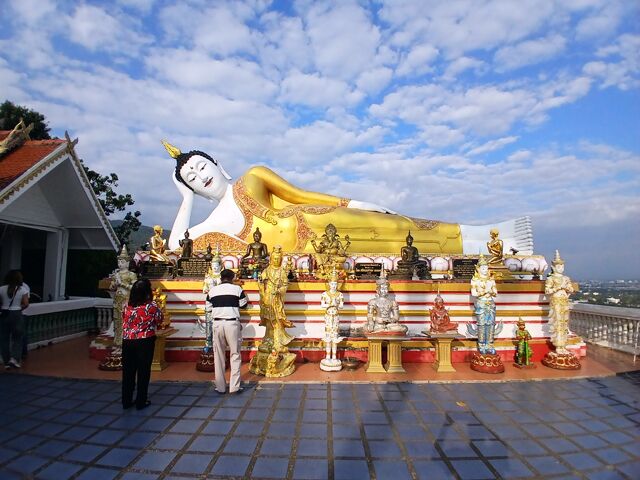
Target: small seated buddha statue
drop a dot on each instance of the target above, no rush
(331, 253)
(440, 321)
(257, 257)
(157, 246)
(410, 262)
(495, 247)
(383, 313)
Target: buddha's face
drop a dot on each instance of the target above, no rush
(559, 268)
(383, 289)
(409, 241)
(157, 230)
(484, 270)
(257, 236)
(186, 234)
(204, 177)
(123, 263)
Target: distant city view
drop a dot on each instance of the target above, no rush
(620, 293)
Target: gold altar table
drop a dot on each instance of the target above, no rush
(442, 342)
(159, 363)
(394, 354)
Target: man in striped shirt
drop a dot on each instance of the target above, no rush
(226, 301)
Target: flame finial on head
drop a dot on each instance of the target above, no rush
(124, 254)
(557, 260)
(173, 151)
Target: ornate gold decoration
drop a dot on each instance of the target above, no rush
(226, 242)
(290, 210)
(249, 206)
(16, 137)
(344, 202)
(424, 224)
(561, 361)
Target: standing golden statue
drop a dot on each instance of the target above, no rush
(331, 253)
(558, 287)
(273, 358)
(161, 301)
(158, 246)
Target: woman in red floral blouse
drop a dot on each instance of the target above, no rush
(140, 319)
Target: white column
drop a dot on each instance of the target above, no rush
(55, 265)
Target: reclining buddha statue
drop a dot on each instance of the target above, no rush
(291, 216)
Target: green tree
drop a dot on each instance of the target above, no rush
(102, 185)
(10, 115)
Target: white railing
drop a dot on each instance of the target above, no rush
(104, 313)
(613, 327)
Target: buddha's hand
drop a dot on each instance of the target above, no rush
(185, 191)
(372, 207)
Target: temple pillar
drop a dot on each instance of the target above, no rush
(55, 264)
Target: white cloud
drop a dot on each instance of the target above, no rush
(417, 61)
(529, 52)
(624, 71)
(492, 145)
(343, 39)
(460, 65)
(231, 78)
(95, 29)
(317, 91)
(374, 80)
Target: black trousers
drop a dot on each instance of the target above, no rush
(137, 356)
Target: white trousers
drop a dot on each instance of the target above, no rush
(227, 333)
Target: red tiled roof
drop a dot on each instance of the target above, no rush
(22, 158)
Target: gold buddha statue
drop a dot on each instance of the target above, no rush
(157, 246)
(495, 247)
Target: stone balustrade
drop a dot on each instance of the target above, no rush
(613, 327)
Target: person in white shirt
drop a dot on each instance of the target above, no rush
(14, 297)
(226, 301)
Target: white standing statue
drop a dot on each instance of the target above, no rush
(332, 301)
(121, 281)
(211, 279)
(558, 288)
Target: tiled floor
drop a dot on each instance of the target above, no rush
(64, 428)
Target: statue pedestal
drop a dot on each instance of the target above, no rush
(486, 363)
(394, 354)
(561, 361)
(270, 366)
(159, 363)
(329, 365)
(206, 362)
(113, 362)
(442, 343)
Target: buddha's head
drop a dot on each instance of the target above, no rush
(409, 239)
(494, 232)
(186, 234)
(157, 229)
(200, 172)
(123, 258)
(257, 235)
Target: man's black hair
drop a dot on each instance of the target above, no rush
(227, 275)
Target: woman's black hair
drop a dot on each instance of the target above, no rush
(140, 293)
(184, 158)
(13, 279)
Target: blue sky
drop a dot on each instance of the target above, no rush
(465, 111)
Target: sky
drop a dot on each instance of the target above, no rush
(463, 111)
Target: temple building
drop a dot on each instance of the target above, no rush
(47, 207)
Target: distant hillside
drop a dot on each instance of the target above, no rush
(140, 237)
